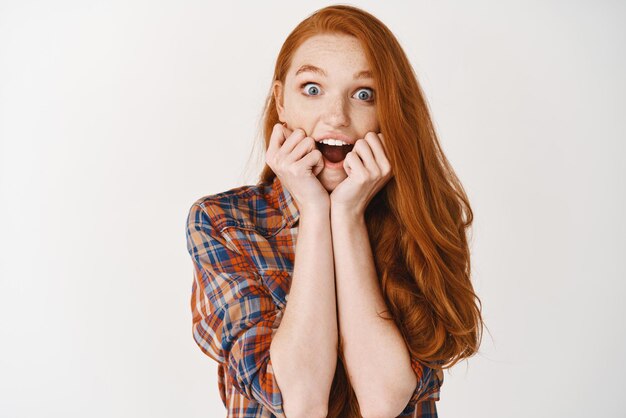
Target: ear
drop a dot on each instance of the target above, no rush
(277, 91)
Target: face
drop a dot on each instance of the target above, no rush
(329, 93)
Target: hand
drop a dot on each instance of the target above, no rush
(296, 161)
(368, 171)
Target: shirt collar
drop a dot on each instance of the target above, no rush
(287, 204)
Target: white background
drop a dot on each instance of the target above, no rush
(116, 115)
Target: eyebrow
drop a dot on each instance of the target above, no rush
(317, 70)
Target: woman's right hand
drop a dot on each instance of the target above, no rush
(295, 159)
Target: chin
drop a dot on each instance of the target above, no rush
(331, 182)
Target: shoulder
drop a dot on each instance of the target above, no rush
(249, 207)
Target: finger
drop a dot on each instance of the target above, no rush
(277, 138)
(296, 137)
(354, 166)
(385, 165)
(312, 161)
(346, 164)
(375, 142)
(302, 148)
(286, 130)
(362, 148)
(280, 132)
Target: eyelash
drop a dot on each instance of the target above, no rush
(360, 88)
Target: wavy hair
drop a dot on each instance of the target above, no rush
(417, 222)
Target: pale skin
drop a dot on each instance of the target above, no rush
(335, 284)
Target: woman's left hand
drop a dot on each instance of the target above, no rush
(368, 171)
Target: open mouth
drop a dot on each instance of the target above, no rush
(334, 153)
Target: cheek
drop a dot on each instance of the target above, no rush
(368, 121)
(373, 120)
(301, 111)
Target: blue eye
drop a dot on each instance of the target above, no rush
(365, 96)
(311, 91)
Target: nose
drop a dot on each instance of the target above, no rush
(337, 112)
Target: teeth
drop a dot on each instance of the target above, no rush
(332, 141)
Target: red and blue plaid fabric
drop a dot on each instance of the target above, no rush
(242, 244)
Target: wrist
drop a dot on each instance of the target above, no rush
(319, 211)
(339, 213)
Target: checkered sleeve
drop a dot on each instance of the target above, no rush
(234, 318)
(426, 391)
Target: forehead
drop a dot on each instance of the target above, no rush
(330, 51)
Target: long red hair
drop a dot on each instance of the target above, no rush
(417, 223)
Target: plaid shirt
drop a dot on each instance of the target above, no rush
(242, 244)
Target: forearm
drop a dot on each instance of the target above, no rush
(304, 349)
(377, 358)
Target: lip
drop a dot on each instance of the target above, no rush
(339, 136)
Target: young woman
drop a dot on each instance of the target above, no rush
(339, 284)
